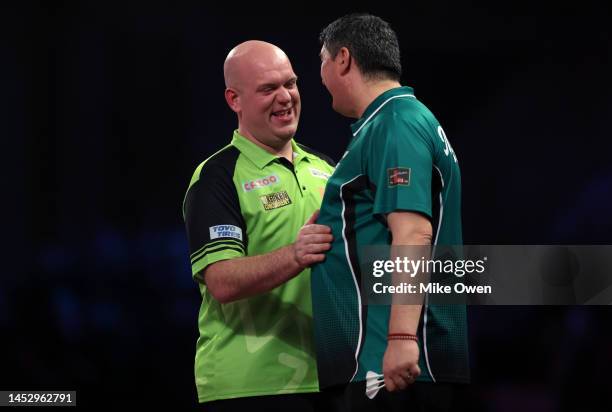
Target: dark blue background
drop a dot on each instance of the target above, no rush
(109, 107)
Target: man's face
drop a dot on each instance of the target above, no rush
(270, 101)
(330, 79)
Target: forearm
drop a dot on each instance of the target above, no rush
(240, 278)
(401, 359)
(414, 234)
(404, 318)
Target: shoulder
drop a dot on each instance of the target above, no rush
(216, 173)
(405, 123)
(406, 116)
(408, 110)
(221, 163)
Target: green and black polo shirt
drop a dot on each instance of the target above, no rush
(245, 201)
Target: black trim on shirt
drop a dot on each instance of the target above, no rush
(213, 200)
(436, 192)
(348, 193)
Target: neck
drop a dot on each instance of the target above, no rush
(284, 149)
(369, 91)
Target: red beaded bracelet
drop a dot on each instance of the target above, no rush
(402, 336)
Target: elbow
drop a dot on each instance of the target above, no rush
(218, 289)
(220, 295)
(410, 228)
(422, 239)
(423, 236)
(416, 235)
(416, 239)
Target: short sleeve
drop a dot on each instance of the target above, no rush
(400, 166)
(215, 227)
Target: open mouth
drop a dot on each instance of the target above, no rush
(283, 114)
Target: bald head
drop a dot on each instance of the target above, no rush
(247, 59)
(261, 88)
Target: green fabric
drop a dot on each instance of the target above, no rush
(262, 345)
(397, 154)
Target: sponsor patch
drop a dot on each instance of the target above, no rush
(275, 200)
(259, 183)
(319, 173)
(225, 231)
(399, 176)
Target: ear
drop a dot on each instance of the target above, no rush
(344, 60)
(232, 99)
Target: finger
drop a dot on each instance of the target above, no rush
(317, 248)
(313, 218)
(408, 378)
(389, 384)
(415, 371)
(318, 238)
(405, 375)
(312, 229)
(311, 259)
(400, 382)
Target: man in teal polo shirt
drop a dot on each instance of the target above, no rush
(250, 250)
(397, 184)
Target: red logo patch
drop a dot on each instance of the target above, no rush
(399, 176)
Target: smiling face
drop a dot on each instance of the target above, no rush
(265, 95)
(271, 101)
(333, 81)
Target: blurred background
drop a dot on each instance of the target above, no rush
(108, 107)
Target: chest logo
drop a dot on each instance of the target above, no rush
(259, 183)
(275, 200)
(319, 173)
(399, 176)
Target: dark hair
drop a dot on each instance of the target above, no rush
(370, 40)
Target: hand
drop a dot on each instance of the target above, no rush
(401, 364)
(311, 243)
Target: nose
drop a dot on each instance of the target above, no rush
(283, 96)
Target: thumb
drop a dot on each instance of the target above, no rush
(312, 220)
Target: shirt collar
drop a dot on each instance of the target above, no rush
(300, 154)
(378, 102)
(261, 157)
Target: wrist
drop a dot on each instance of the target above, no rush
(402, 336)
(295, 261)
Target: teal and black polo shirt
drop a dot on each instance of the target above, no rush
(245, 201)
(399, 159)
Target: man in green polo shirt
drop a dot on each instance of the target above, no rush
(397, 184)
(245, 212)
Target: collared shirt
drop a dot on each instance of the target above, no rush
(398, 160)
(245, 201)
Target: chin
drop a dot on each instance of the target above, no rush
(286, 133)
(336, 107)
(341, 110)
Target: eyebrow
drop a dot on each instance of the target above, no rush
(266, 85)
(274, 85)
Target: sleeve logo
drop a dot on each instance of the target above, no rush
(275, 200)
(399, 176)
(225, 231)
